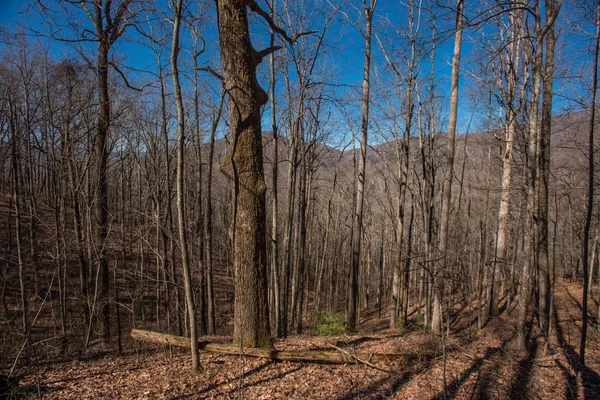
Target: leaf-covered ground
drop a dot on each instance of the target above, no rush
(480, 364)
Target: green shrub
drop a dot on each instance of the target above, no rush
(331, 325)
(400, 327)
(419, 319)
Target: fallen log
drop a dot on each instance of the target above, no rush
(336, 357)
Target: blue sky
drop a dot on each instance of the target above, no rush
(9, 11)
(346, 59)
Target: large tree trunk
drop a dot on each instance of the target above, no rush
(244, 166)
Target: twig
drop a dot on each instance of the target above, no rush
(367, 363)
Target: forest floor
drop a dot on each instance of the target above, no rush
(481, 364)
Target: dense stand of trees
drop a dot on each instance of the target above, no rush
(130, 199)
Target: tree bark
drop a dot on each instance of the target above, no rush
(544, 176)
(507, 159)
(436, 318)
(244, 167)
(187, 276)
(334, 357)
(274, 199)
(590, 199)
(357, 230)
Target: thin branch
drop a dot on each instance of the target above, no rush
(212, 72)
(111, 63)
(252, 5)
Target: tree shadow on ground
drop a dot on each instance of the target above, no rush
(576, 301)
(520, 384)
(386, 387)
(589, 377)
(217, 384)
(264, 380)
(377, 390)
(242, 378)
(456, 318)
(456, 384)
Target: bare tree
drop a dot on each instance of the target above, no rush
(436, 318)
(590, 199)
(244, 166)
(543, 257)
(357, 221)
(187, 276)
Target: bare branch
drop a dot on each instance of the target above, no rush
(252, 5)
(212, 72)
(263, 53)
(112, 64)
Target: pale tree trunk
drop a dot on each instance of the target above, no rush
(532, 168)
(436, 318)
(357, 230)
(590, 202)
(531, 164)
(592, 263)
(187, 276)
(507, 159)
(428, 170)
(403, 151)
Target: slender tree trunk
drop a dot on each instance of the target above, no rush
(531, 167)
(287, 266)
(15, 150)
(507, 159)
(187, 276)
(544, 177)
(274, 199)
(101, 191)
(590, 203)
(592, 263)
(301, 264)
(208, 226)
(357, 230)
(436, 319)
(204, 298)
(533, 177)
